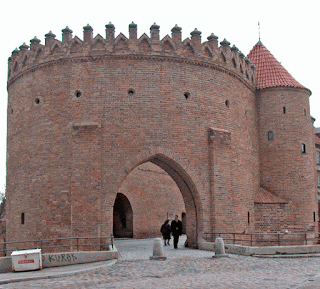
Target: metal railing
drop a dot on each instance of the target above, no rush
(265, 239)
(52, 245)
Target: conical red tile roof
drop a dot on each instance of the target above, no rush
(269, 71)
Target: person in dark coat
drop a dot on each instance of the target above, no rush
(176, 229)
(166, 232)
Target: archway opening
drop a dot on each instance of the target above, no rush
(122, 217)
(158, 188)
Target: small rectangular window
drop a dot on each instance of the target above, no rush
(22, 218)
(270, 135)
(318, 180)
(318, 158)
(248, 217)
(284, 109)
(303, 148)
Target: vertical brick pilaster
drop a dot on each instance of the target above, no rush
(86, 179)
(221, 179)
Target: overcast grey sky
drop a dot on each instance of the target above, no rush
(289, 30)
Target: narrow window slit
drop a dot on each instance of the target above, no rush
(22, 218)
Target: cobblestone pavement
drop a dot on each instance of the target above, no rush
(187, 268)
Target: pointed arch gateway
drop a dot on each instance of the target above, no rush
(186, 186)
(122, 217)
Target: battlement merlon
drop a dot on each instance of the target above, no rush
(191, 48)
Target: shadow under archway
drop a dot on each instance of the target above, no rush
(122, 217)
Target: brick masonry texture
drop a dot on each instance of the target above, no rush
(148, 186)
(317, 148)
(85, 115)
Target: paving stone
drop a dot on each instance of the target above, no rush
(187, 268)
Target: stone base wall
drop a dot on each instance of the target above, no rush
(65, 259)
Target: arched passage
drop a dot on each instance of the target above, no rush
(186, 187)
(154, 197)
(122, 217)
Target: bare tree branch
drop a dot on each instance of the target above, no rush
(2, 205)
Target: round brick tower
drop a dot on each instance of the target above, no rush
(83, 114)
(286, 148)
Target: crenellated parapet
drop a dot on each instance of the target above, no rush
(209, 53)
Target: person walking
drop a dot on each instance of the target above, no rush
(166, 232)
(176, 229)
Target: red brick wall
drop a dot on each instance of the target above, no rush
(317, 149)
(285, 170)
(68, 156)
(271, 218)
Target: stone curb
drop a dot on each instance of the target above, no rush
(55, 275)
(288, 256)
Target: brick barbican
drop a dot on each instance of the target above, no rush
(229, 140)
